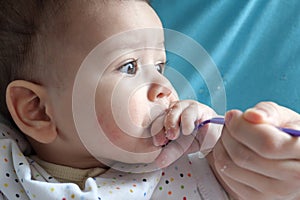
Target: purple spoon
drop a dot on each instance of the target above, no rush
(221, 121)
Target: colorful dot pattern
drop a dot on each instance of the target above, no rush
(177, 182)
(22, 178)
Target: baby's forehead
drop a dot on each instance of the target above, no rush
(96, 21)
(80, 26)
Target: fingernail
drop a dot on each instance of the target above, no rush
(259, 111)
(170, 134)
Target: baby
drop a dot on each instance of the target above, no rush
(83, 81)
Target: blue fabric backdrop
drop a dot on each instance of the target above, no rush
(255, 44)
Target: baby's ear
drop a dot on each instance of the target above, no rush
(30, 108)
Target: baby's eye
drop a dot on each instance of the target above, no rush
(160, 67)
(129, 67)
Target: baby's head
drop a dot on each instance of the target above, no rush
(43, 45)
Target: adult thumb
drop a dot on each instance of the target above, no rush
(271, 113)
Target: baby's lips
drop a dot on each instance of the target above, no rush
(160, 139)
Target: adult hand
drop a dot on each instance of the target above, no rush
(255, 160)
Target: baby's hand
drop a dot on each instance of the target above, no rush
(178, 134)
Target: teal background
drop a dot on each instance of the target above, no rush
(255, 44)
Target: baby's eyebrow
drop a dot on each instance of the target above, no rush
(127, 47)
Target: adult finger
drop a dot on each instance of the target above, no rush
(272, 113)
(242, 156)
(264, 139)
(221, 162)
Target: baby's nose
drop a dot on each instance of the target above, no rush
(158, 91)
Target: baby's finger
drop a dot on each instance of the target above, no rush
(175, 149)
(157, 131)
(188, 119)
(157, 125)
(172, 120)
(194, 114)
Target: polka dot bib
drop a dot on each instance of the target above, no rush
(22, 178)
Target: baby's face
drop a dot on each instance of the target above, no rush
(130, 90)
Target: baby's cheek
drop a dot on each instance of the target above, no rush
(106, 123)
(110, 130)
(139, 112)
(115, 136)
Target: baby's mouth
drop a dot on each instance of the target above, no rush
(160, 140)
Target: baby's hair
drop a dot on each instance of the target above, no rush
(19, 26)
(23, 23)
